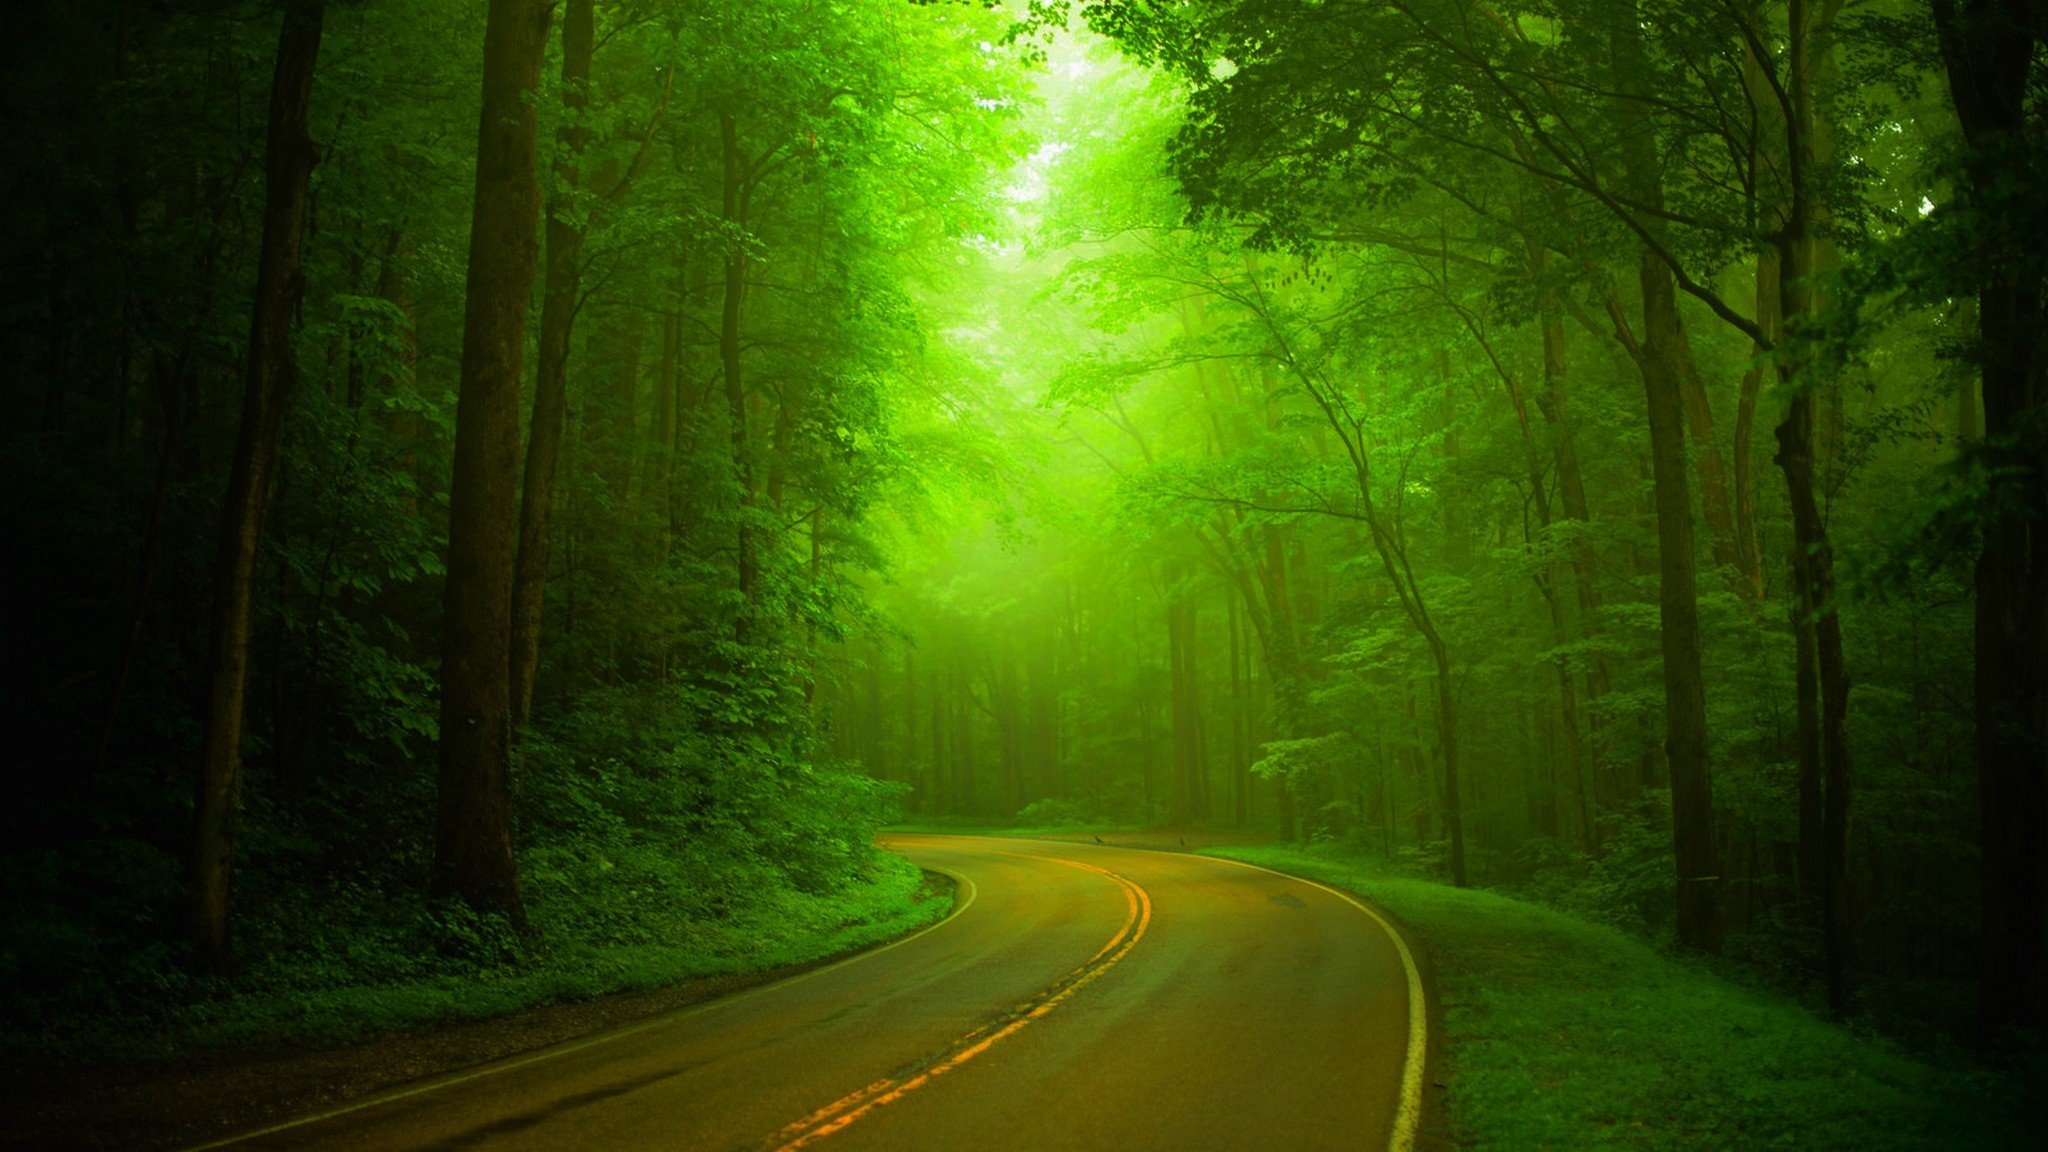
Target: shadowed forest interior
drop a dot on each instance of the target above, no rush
(509, 498)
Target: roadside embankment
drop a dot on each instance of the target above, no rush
(1563, 1034)
(254, 1059)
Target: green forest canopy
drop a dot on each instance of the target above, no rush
(602, 461)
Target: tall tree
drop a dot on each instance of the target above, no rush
(1822, 678)
(735, 191)
(561, 289)
(1990, 50)
(473, 831)
(1664, 359)
(289, 157)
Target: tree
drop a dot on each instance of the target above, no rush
(289, 157)
(560, 298)
(473, 830)
(1990, 49)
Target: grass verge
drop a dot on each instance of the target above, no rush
(1568, 1035)
(776, 929)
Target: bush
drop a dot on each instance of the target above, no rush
(654, 845)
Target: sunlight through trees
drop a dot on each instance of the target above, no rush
(1585, 449)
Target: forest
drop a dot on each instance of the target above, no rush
(511, 498)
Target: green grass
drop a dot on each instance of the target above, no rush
(775, 929)
(1573, 1036)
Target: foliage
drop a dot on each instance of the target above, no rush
(676, 812)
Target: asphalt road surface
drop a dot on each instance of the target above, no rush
(1080, 997)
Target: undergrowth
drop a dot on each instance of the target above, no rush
(647, 858)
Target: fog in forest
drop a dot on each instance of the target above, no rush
(511, 499)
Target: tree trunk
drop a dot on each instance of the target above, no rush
(1179, 772)
(1547, 580)
(963, 752)
(1568, 711)
(666, 391)
(1388, 542)
(734, 200)
(473, 835)
(1748, 547)
(561, 285)
(288, 170)
(1716, 501)
(1988, 47)
(919, 794)
(1769, 206)
(1685, 701)
(1447, 744)
(1145, 752)
(1969, 414)
(615, 415)
(940, 793)
(1240, 777)
(1427, 800)
(1823, 721)
(1571, 487)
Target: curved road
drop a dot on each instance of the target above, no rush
(1080, 997)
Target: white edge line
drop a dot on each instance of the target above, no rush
(666, 1018)
(1408, 1117)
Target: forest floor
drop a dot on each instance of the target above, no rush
(1564, 1034)
(194, 1094)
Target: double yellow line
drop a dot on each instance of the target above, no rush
(850, 1108)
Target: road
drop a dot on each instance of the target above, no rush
(1080, 997)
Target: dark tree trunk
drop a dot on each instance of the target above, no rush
(473, 833)
(1180, 798)
(1548, 580)
(1685, 701)
(290, 157)
(1822, 674)
(560, 287)
(1969, 414)
(919, 796)
(1716, 502)
(666, 393)
(1769, 204)
(940, 795)
(963, 750)
(1447, 747)
(1240, 776)
(734, 201)
(1571, 486)
(1660, 359)
(1823, 701)
(1748, 550)
(1989, 47)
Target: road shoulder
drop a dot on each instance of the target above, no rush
(200, 1095)
(1560, 1033)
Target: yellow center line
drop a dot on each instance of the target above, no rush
(850, 1108)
